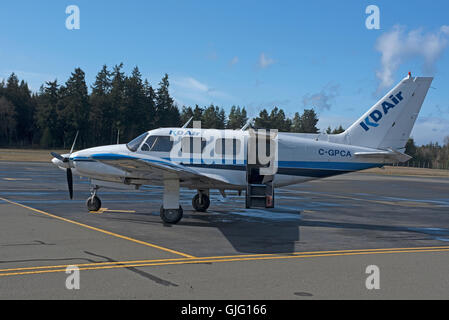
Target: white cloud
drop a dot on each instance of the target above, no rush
(323, 99)
(265, 61)
(445, 29)
(397, 46)
(190, 83)
(234, 61)
(190, 91)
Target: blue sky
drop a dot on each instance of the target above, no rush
(257, 54)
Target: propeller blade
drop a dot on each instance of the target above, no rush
(74, 141)
(70, 182)
(57, 156)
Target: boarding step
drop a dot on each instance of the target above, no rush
(259, 196)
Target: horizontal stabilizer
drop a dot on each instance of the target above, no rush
(390, 155)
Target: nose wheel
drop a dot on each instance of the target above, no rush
(201, 202)
(93, 203)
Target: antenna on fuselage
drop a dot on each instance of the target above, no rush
(187, 123)
(118, 136)
(247, 124)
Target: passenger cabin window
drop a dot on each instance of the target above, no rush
(227, 147)
(158, 144)
(188, 143)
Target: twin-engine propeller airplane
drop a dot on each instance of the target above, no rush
(205, 159)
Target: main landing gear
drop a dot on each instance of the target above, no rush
(171, 211)
(201, 201)
(93, 202)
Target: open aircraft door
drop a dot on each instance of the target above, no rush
(261, 166)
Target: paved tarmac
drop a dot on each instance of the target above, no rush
(316, 244)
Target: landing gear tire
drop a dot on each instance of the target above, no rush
(205, 202)
(171, 216)
(93, 203)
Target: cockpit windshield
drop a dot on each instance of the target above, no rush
(133, 145)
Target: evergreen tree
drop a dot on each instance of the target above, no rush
(338, 130)
(135, 111)
(410, 148)
(167, 114)
(279, 121)
(213, 118)
(150, 105)
(100, 116)
(309, 120)
(335, 131)
(186, 114)
(75, 109)
(7, 122)
(237, 118)
(20, 97)
(276, 120)
(117, 100)
(263, 120)
(47, 115)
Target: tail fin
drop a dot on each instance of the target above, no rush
(389, 122)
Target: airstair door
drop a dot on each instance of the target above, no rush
(259, 188)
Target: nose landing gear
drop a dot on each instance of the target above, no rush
(93, 202)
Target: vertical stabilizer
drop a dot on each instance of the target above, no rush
(389, 122)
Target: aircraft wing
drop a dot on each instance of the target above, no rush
(387, 155)
(154, 168)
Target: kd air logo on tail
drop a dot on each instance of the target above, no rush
(375, 116)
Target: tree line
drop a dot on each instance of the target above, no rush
(117, 104)
(52, 116)
(431, 155)
(128, 105)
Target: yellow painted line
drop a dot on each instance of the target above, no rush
(127, 262)
(310, 253)
(308, 211)
(198, 261)
(17, 179)
(102, 210)
(100, 230)
(121, 211)
(374, 250)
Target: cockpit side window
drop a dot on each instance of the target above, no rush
(133, 145)
(158, 144)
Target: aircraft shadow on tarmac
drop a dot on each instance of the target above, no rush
(268, 231)
(253, 235)
(246, 234)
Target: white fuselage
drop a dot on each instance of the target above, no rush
(300, 157)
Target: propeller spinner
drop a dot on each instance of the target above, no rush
(66, 164)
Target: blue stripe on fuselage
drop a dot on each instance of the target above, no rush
(295, 168)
